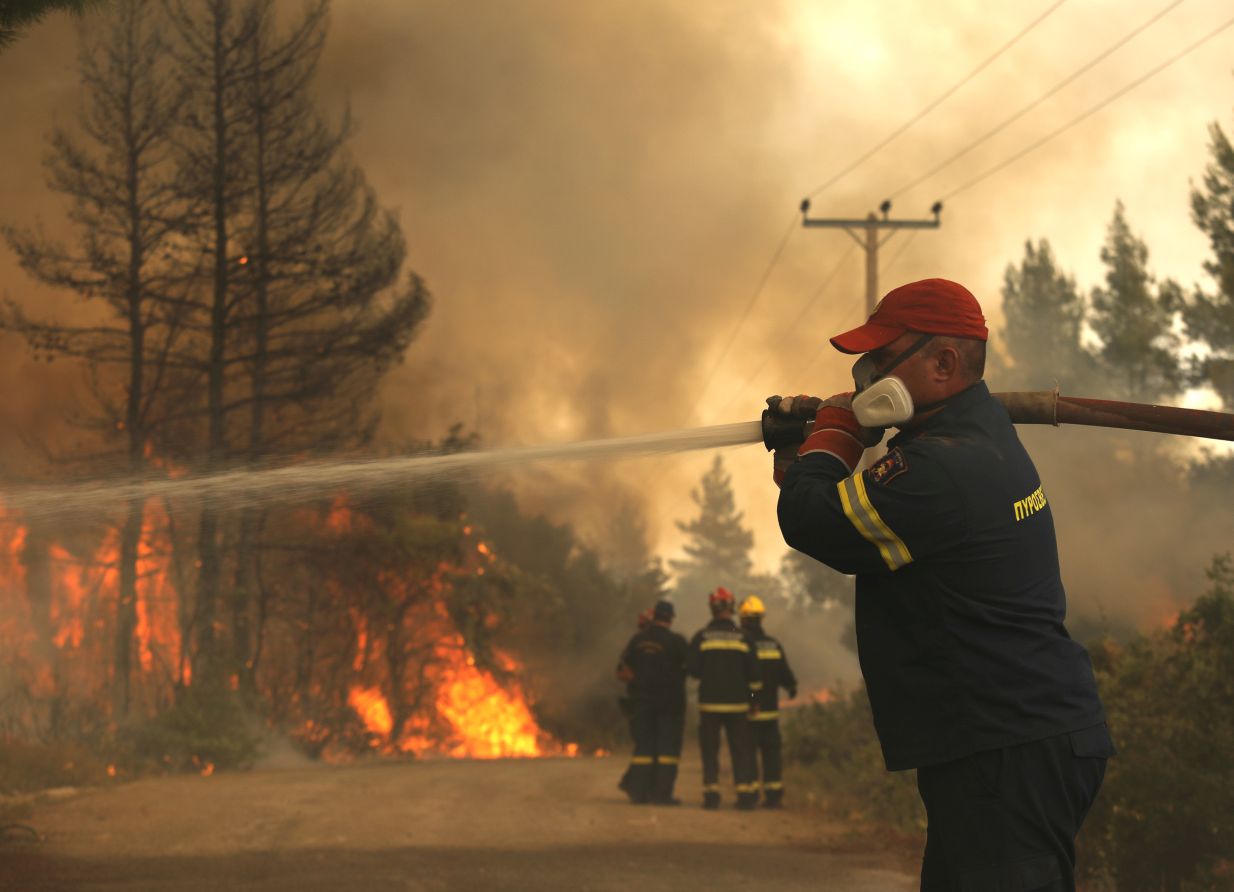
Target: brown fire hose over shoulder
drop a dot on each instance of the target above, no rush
(1050, 407)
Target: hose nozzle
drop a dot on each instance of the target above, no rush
(781, 431)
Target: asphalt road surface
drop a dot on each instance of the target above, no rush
(434, 825)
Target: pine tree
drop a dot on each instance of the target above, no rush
(1133, 317)
(719, 546)
(17, 15)
(1210, 316)
(718, 543)
(118, 175)
(1044, 314)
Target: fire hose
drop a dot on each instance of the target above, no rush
(1050, 407)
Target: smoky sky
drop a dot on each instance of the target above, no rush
(593, 191)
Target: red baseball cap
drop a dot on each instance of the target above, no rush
(930, 306)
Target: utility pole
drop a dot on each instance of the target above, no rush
(869, 239)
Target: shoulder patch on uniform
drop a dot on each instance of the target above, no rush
(890, 466)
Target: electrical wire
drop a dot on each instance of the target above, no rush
(937, 102)
(805, 310)
(998, 128)
(762, 283)
(1088, 113)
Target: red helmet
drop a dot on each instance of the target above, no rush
(721, 596)
(644, 619)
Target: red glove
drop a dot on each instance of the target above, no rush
(836, 432)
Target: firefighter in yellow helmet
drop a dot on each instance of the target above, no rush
(774, 674)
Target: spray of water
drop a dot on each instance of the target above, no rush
(241, 488)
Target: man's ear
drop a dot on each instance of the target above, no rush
(946, 363)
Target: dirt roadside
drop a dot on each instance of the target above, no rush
(540, 824)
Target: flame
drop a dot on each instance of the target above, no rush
(371, 706)
(451, 697)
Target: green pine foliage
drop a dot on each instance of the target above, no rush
(1210, 314)
(1045, 316)
(18, 15)
(1133, 317)
(718, 550)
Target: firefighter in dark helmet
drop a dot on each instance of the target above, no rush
(626, 675)
(656, 660)
(724, 661)
(765, 723)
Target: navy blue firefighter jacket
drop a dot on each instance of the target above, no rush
(960, 603)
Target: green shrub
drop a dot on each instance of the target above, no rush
(1164, 820)
(834, 755)
(207, 726)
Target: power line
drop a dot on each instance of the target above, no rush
(1040, 99)
(848, 317)
(788, 232)
(937, 102)
(925, 111)
(1089, 112)
(810, 303)
(891, 261)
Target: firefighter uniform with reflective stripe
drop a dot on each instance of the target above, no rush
(725, 662)
(959, 616)
(657, 657)
(774, 673)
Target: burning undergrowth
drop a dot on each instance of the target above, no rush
(381, 630)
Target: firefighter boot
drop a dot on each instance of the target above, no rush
(747, 801)
(773, 799)
(711, 800)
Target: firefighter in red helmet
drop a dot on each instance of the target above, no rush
(725, 662)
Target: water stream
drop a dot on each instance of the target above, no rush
(240, 488)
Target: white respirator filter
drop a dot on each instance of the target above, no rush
(885, 403)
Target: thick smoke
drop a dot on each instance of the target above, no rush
(593, 191)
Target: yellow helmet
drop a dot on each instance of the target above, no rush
(753, 606)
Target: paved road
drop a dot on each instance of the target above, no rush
(543, 824)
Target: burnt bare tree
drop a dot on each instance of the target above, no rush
(121, 185)
(211, 62)
(322, 314)
(303, 308)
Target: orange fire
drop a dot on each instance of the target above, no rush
(415, 679)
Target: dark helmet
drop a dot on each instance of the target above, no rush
(664, 610)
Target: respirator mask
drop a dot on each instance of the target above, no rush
(881, 399)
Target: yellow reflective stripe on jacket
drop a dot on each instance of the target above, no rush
(723, 707)
(862, 515)
(770, 654)
(667, 760)
(756, 685)
(641, 760)
(770, 715)
(724, 644)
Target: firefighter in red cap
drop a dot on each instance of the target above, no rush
(725, 661)
(774, 673)
(656, 662)
(972, 677)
